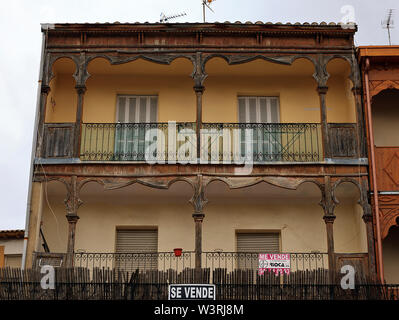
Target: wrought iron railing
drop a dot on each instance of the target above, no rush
(219, 142)
(261, 142)
(250, 261)
(130, 262)
(162, 261)
(151, 142)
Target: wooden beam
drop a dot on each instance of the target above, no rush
(2, 257)
(323, 120)
(78, 124)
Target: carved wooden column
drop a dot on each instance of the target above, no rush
(368, 220)
(45, 89)
(323, 120)
(328, 205)
(81, 75)
(321, 75)
(198, 218)
(72, 220)
(78, 124)
(199, 76)
(198, 201)
(357, 93)
(199, 90)
(72, 204)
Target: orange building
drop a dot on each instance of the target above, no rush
(380, 66)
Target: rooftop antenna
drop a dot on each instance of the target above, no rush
(388, 24)
(206, 3)
(165, 18)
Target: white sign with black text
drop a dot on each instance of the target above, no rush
(192, 292)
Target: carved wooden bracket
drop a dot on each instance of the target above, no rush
(199, 200)
(73, 202)
(376, 86)
(389, 213)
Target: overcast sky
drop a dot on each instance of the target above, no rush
(21, 43)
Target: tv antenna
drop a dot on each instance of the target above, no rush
(388, 24)
(165, 18)
(206, 3)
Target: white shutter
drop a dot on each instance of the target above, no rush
(136, 249)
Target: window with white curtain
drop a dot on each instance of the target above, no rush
(255, 110)
(132, 112)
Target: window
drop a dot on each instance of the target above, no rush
(133, 112)
(259, 242)
(266, 138)
(137, 109)
(136, 249)
(13, 260)
(258, 109)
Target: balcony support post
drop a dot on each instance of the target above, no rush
(42, 116)
(72, 220)
(328, 205)
(357, 94)
(80, 89)
(322, 90)
(321, 76)
(72, 204)
(198, 92)
(198, 201)
(368, 220)
(199, 77)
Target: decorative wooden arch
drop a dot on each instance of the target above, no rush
(377, 86)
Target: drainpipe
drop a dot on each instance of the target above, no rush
(374, 175)
(34, 143)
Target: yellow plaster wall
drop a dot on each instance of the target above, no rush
(301, 225)
(62, 100)
(35, 218)
(176, 97)
(299, 101)
(294, 85)
(349, 230)
(340, 100)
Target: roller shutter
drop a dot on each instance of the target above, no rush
(258, 242)
(136, 249)
(266, 242)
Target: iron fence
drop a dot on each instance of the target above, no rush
(155, 142)
(219, 142)
(213, 260)
(261, 142)
(130, 262)
(250, 260)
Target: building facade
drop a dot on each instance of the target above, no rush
(380, 66)
(11, 248)
(225, 140)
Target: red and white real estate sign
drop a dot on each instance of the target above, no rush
(278, 263)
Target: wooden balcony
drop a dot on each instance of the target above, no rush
(387, 164)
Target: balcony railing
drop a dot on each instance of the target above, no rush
(168, 260)
(261, 142)
(138, 141)
(220, 142)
